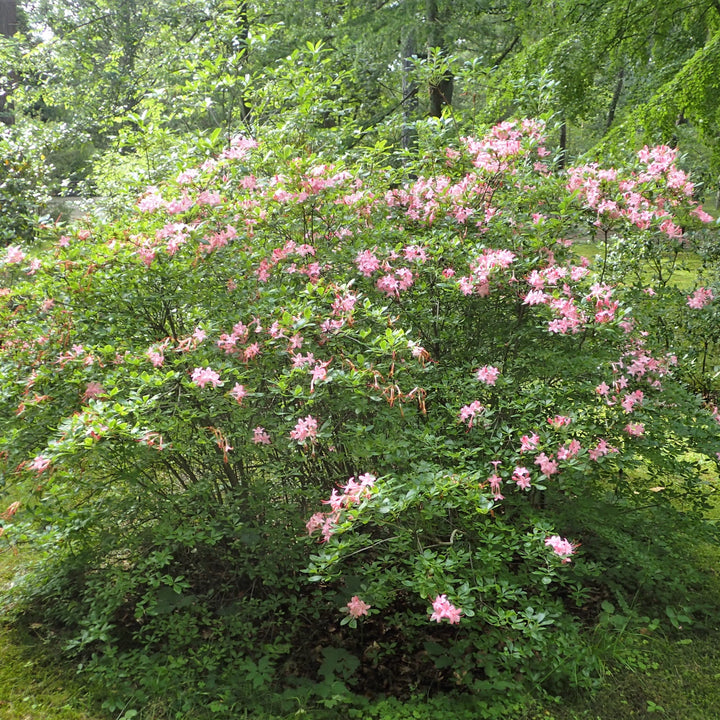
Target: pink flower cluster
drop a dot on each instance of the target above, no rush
(634, 199)
(562, 547)
(305, 428)
(468, 412)
(488, 374)
(204, 376)
(444, 609)
(356, 607)
(700, 298)
(352, 493)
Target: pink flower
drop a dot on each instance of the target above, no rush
(415, 252)
(529, 442)
(635, 429)
(565, 452)
(14, 254)
(93, 390)
(600, 450)
(367, 263)
(315, 522)
(356, 607)
(548, 466)
(468, 412)
(442, 608)
(238, 392)
(632, 399)
(203, 376)
(701, 214)
(187, 176)
(319, 373)
(536, 297)
(389, 285)
(251, 351)
(495, 486)
(39, 464)
(305, 428)
(700, 298)
(35, 265)
(521, 476)
(156, 357)
(559, 421)
(260, 436)
(561, 547)
(488, 374)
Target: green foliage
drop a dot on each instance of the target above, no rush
(184, 387)
(24, 183)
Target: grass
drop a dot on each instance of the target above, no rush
(33, 684)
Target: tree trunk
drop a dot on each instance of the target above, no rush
(8, 27)
(441, 91)
(563, 145)
(615, 99)
(244, 30)
(408, 136)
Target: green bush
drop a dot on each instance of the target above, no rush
(25, 177)
(419, 373)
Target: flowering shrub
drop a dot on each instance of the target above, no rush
(420, 376)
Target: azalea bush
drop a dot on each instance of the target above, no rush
(348, 425)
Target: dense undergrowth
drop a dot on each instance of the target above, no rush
(297, 433)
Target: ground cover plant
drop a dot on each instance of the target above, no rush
(300, 428)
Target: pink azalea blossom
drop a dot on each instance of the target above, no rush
(529, 442)
(561, 547)
(315, 522)
(203, 376)
(548, 466)
(238, 392)
(700, 298)
(93, 390)
(468, 412)
(442, 608)
(367, 263)
(318, 373)
(565, 452)
(495, 486)
(559, 421)
(600, 450)
(488, 374)
(536, 297)
(304, 429)
(155, 356)
(260, 436)
(356, 607)
(187, 176)
(39, 464)
(251, 351)
(701, 214)
(635, 429)
(521, 476)
(14, 254)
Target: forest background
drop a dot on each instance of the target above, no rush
(432, 281)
